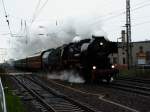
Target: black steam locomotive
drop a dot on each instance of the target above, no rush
(88, 56)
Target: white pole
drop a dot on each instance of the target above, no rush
(2, 98)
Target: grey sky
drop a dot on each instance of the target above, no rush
(107, 14)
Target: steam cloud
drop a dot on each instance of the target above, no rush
(69, 76)
(52, 35)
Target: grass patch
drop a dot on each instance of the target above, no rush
(143, 73)
(13, 102)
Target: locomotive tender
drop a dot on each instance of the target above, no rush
(88, 56)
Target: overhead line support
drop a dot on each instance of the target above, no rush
(128, 35)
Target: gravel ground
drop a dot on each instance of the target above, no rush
(135, 101)
(134, 83)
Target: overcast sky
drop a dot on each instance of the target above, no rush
(109, 15)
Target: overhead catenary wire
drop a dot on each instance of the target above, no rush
(112, 15)
(145, 1)
(104, 18)
(37, 7)
(145, 22)
(121, 13)
(134, 25)
(6, 16)
(40, 9)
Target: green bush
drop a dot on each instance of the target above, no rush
(13, 103)
(145, 73)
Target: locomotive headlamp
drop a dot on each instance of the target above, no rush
(101, 43)
(94, 67)
(113, 66)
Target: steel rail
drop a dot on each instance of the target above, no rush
(70, 103)
(145, 81)
(87, 109)
(37, 96)
(131, 88)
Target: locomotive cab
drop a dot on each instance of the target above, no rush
(95, 60)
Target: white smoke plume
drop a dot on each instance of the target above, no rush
(42, 36)
(69, 76)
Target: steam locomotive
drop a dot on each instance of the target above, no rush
(88, 56)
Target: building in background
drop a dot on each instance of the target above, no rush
(140, 53)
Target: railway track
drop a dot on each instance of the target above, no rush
(138, 80)
(98, 95)
(129, 86)
(48, 99)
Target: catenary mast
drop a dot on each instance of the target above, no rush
(128, 34)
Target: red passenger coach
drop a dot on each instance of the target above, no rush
(34, 62)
